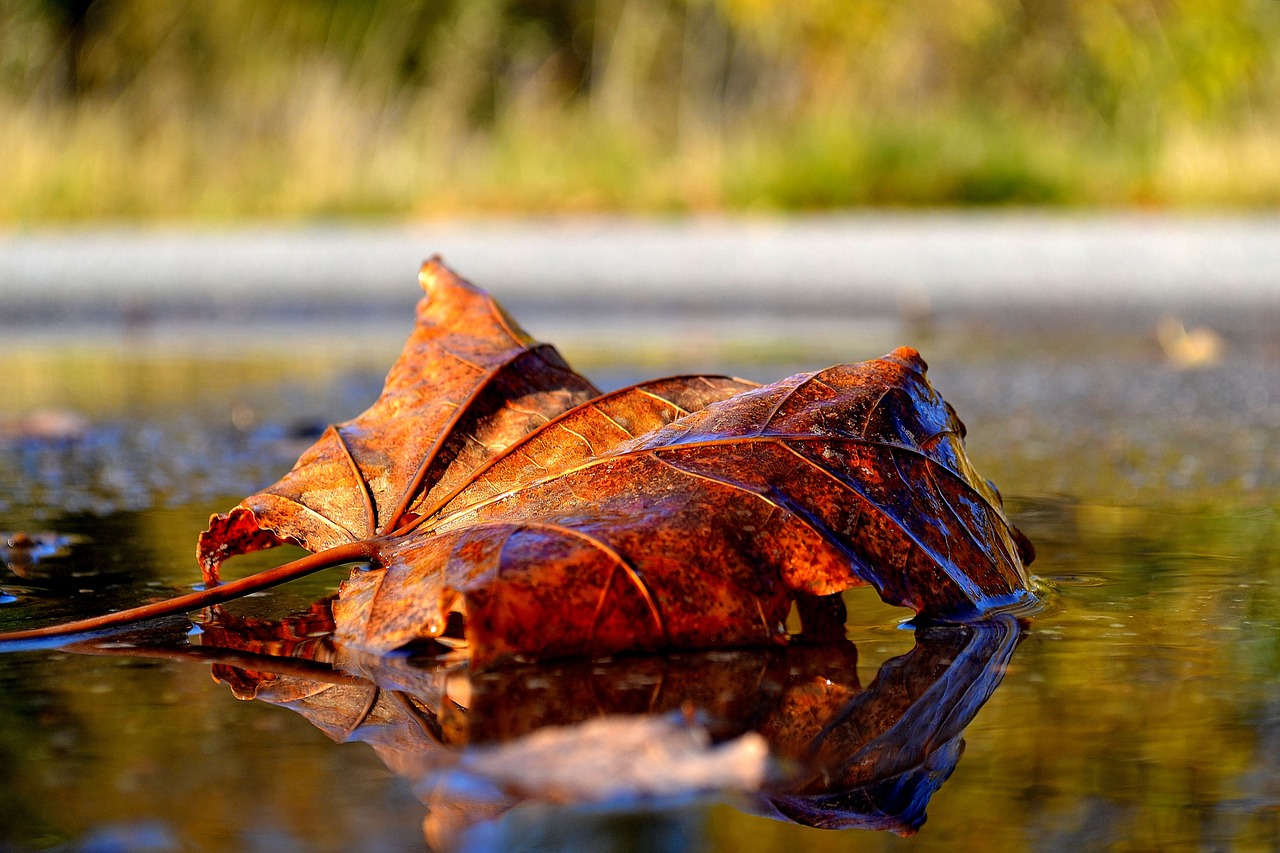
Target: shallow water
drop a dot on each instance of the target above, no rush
(1139, 710)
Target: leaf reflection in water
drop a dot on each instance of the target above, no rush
(785, 733)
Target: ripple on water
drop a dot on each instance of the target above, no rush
(1052, 582)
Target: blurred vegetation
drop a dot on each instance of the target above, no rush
(313, 108)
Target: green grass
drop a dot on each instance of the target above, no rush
(95, 165)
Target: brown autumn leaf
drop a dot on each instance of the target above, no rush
(491, 483)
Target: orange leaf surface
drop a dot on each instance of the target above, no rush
(493, 486)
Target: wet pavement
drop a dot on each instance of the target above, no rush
(911, 262)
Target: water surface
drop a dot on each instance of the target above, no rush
(1140, 709)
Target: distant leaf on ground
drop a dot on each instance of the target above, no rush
(22, 553)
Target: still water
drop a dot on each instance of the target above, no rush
(1138, 710)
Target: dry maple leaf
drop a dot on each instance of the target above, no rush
(492, 482)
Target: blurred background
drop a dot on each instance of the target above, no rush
(315, 109)
(211, 215)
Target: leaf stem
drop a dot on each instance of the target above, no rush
(347, 553)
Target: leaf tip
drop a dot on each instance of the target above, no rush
(909, 358)
(434, 276)
(230, 534)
